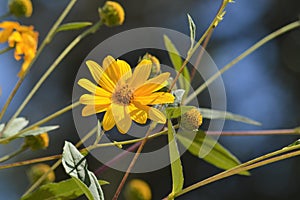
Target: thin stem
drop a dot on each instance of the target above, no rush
(132, 163)
(200, 55)
(260, 43)
(255, 133)
(5, 50)
(91, 30)
(205, 34)
(42, 121)
(47, 40)
(5, 15)
(7, 157)
(236, 170)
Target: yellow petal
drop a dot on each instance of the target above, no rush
(125, 70)
(93, 109)
(140, 74)
(155, 98)
(91, 87)
(138, 115)
(153, 84)
(89, 99)
(111, 68)
(153, 113)
(121, 117)
(99, 76)
(4, 35)
(108, 120)
(156, 115)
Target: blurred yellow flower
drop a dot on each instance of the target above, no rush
(23, 38)
(112, 14)
(125, 96)
(20, 8)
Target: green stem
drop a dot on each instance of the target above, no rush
(5, 50)
(7, 157)
(205, 34)
(46, 41)
(91, 30)
(5, 15)
(245, 166)
(42, 121)
(260, 43)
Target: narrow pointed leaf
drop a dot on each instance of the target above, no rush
(192, 31)
(73, 26)
(217, 114)
(176, 167)
(14, 127)
(76, 166)
(177, 63)
(40, 130)
(203, 146)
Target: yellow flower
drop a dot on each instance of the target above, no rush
(125, 96)
(36, 142)
(23, 38)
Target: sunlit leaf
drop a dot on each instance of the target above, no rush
(64, 190)
(176, 167)
(39, 130)
(217, 114)
(76, 166)
(192, 31)
(14, 127)
(177, 63)
(73, 26)
(203, 146)
(175, 112)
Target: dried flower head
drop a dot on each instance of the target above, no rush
(192, 119)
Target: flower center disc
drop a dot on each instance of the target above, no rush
(122, 95)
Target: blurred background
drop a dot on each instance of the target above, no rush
(264, 86)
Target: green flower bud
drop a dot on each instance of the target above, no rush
(137, 189)
(36, 142)
(20, 8)
(112, 14)
(38, 170)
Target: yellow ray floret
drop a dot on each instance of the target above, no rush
(125, 96)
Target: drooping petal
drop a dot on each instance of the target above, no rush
(108, 120)
(141, 74)
(153, 84)
(138, 115)
(121, 117)
(91, 87)
(153, 113)
(93, 109)
(155, 98)
(99, 76)
(89, 99)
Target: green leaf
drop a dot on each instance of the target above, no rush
(175, 112)
(73, 26)
(177, 62)
(176, 167)
(39, 130)
(203, 146)
(76, 166)
(64, 190)
(14, 127)
(192, 31)
(217, 114)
